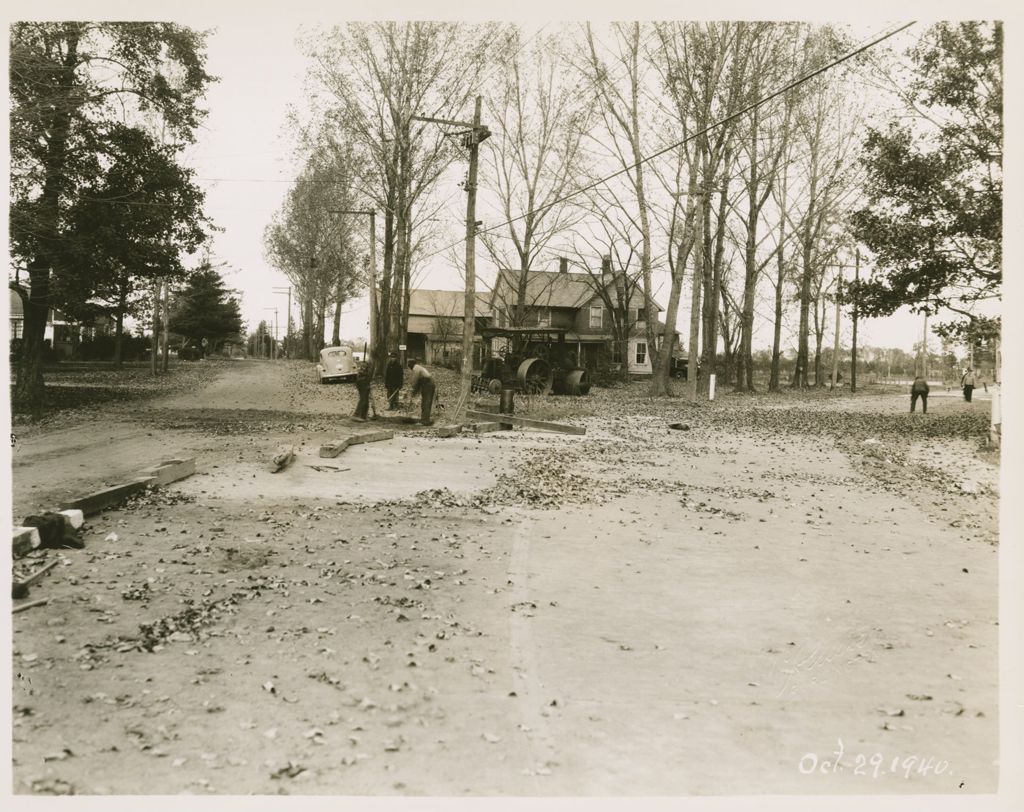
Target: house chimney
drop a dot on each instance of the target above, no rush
(563, 264)
(606, 269)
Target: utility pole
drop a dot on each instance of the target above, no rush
(853, 353)
(472, 139)
(373, 277)
(288, 327)
(835, 345)
(273, 345)
(698, 275)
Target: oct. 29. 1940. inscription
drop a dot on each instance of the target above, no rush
(876, 765)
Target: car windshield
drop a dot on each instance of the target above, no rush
(334, 355)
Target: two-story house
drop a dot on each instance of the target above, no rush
(599, 312)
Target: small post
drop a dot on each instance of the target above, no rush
(711, 386)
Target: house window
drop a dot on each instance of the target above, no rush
(597, 318)
(544, 316)
(16, 325)
(616, 353)
(641, 315)
(641, 352)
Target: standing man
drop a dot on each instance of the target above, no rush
(394, 376)
(364, 380)
(967, 382)
(919, 389)
(422, 383)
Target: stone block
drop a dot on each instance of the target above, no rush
(26, 539)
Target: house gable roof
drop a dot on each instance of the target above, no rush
(552, 289)
(444, 303)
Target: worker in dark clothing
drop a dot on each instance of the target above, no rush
(422, 383)
(364, 380)
(919, 389)
(394, 377)
(967, 381)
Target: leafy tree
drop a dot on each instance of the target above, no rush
(204, 312)
(315, 244)
(68, 82)
(934, 212)
(128, 225)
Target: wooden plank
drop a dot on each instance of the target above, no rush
(481, 428)
(108, 497)
(526, 422)
(333, 449)
(329, 450)
(370, 437)
(448, 431)
(22, 607)
(35, 576)
(168, 471)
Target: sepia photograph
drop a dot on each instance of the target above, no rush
(422, 404)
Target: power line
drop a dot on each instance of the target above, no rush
(764, 100)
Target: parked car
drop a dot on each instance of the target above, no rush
(191, 352)
(336, 364)
(679, 368)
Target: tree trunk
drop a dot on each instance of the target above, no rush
(28, 386)
(336, 331)
(165, 333)
(714, 291)
(153, 352)
(807, 246)
(122, 306)
(780, 280)
(307, 328)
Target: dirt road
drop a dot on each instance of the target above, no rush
(639, 611)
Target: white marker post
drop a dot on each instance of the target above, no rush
(711, 388)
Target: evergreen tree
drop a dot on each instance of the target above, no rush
(204, 312)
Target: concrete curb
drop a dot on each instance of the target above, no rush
(26, 539)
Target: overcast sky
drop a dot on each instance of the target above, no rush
(244, 160)
(243, 155)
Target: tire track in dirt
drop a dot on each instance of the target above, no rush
(524, 661)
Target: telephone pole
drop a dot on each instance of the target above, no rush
(472, 139)
(835, 345)
(853, 353)
(288, 325)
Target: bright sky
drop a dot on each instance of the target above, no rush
(243, 155)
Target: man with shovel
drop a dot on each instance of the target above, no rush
(422, 383)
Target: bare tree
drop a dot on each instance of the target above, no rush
(763, 145)
(619, 86)
(539, 118)
(312, 244)
(827, 128)
(377, 76)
